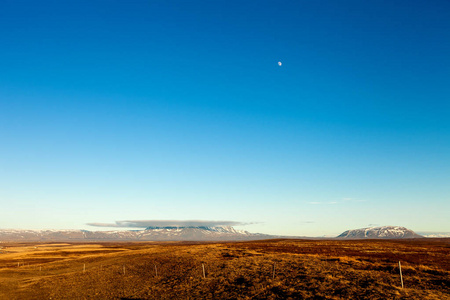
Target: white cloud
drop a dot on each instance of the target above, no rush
(166, 223)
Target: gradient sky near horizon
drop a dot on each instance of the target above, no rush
(178, 110)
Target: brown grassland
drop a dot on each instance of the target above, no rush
(271, 269)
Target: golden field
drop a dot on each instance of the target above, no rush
(270, 269)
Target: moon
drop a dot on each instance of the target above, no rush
(279, 63)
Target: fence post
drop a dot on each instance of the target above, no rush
(400, 268)
(204, 275)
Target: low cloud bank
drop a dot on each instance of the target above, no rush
(165, 223)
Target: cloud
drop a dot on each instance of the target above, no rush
(165, 223)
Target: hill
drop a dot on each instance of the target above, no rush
(383, 232)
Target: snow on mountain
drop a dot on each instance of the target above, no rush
(199, 233)
(435, 234)
(384, 232)
(196, 233)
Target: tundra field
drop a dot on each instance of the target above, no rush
(270, 269)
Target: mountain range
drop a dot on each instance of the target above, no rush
(188, 233)
(169, 233)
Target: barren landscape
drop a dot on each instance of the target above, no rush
(270, 269)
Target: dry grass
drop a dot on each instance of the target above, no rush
(304, 269)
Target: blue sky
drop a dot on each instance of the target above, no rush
(176, 110)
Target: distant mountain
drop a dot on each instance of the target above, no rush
(435, 234)
(199, 233)
(384, 232)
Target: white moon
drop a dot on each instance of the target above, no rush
(279, 63)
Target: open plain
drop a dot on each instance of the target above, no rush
(269, 269)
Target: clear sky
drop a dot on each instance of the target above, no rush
(178, 110)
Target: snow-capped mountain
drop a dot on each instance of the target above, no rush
(190, 233)
(196, 233)
(435, 234)
(384, 232)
